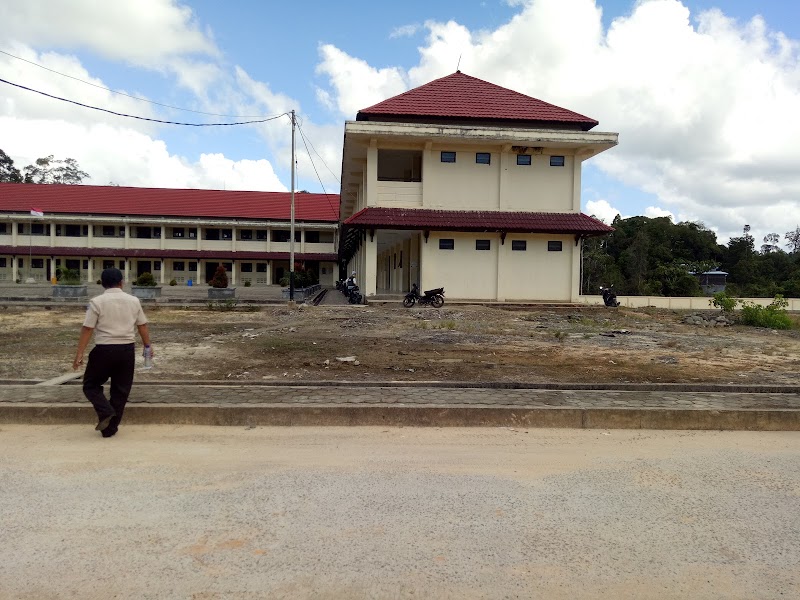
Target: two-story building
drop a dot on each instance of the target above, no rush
(464, 184)
(171, 233)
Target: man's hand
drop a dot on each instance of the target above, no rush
(76, 364)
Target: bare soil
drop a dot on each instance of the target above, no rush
(457, 343)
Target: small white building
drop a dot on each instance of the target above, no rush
(172, 233)
(464, 184)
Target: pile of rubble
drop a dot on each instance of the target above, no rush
(708, 320)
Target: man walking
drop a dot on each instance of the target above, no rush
(113, 316)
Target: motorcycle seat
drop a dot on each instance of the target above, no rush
(434, 292)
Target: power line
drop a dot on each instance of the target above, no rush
(142, 118)
(318, 154)
(199, 112)
(303, 137)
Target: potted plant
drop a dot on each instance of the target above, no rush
(145, 287)
(219, 289)
(69, 284)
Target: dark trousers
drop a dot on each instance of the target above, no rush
(114, 362)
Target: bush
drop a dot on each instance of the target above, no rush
(66, 276)
(773, 316)
(173, 282)
(145, 280)
(99, 282)
(220, 279)
(247, 283)
(723, 301)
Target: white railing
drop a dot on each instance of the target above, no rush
(680, 303)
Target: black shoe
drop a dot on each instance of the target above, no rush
(108, 432)
(103, 424)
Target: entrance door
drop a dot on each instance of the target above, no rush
(143, 266)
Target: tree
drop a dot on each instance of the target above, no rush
(793, 237)
(47, 170)
(771, 241)
(8, 172)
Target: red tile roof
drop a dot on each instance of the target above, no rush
(462, 96)
(456, 220)
(130, 201)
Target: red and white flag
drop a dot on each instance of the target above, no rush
(36, 212)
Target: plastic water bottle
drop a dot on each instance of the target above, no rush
(148, 357)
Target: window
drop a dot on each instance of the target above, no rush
(399, 165)
(483, 244)
(246, 234)
(247, 267)
(193, 233)
(177, 265)
(21, 228)
(37, 263)
(483, 158)
(282, 235)
(40, 229)
(85, 265)
(122, 231)
(524, 160)
(110, 231)
(554, 246)
(447, 244)
(157, 233)
(448, 157)
(144, 233)
(2, 262)
(20, 263)
(261, 234)
(2, 228)
(556, 161)
(108, 264)
(72, 230)
(212, 234)
(226, 234)
(122, 265)
(156, 265)
(178, 232)
(261, 267)
(312, 237)
(73, 263)
(193, 266)
(519, 245)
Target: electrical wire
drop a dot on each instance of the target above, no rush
(199, 112)
(318, 154)
(327, 196)
(143, 118)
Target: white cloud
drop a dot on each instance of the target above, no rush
(705, 106)
(602, 210)
(405, 31)
(654, 212)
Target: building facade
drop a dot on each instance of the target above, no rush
(180, 235)
(464, 184)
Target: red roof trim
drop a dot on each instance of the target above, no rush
(38, 251)
(454, 220)
(166, 202)
(462, 96)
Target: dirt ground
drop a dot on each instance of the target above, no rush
(457, 342)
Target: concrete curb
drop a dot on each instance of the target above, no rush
(411, 416)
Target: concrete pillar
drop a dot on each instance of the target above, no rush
(163, 265)
(199, 233)
(163, 241)
(370, 265)
(127, 243)
(233, 239)
(233, 272)
(269, 241)
(576, 182)
(200, 278)
(90, 264)
(427, 174)
(14, 238)
(90, 238)
(577, 253)
(126, 273)
(269, 272)
(14, 270)
(503, 201)
(372, 173)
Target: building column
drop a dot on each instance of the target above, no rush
(127, 261)
(14, 271)
(14, 240)
(163, 264)
(90, 264)
(302, 240)
(163, 241)
(370, 270)
(233, 272)
(200, 278)
(90, 238)
(577, 254)
(198, 233)
(127, 242)
(233, 239)
(269, 272)
(269, 239)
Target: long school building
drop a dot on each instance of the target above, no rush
(172, 233)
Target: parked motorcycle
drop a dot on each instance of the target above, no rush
(354, 296)
(434, 298)
(609, 297)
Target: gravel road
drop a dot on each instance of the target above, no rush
(202, 513)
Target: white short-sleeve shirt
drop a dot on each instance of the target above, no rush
(114, 316)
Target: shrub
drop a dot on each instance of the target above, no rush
(773, 316)
(67, 276)
(145, 280)
(173, 282)
(723, 301)
(247, 283)
(99, 282)
(220, 278)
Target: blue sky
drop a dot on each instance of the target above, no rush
(702, 93)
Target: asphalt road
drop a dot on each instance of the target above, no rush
(202, 512)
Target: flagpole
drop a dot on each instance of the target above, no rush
(30, 249)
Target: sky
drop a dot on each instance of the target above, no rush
(705, 95)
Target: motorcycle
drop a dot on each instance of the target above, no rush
(435, 297)
(609, 297)
(354, 296)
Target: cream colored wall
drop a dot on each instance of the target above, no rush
(462, 185)
(536, 273)
(539, 187)
(463, 272)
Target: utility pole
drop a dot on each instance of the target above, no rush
(291, 225)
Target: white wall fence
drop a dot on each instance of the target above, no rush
(681, 303)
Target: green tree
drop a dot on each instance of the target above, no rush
(793, 239)
(47, 170)
(8, 172)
